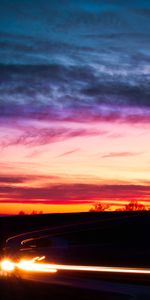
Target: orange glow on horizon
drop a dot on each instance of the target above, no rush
(15, 209)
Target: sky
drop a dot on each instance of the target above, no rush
(74, 104)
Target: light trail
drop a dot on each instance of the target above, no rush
(27, 265)
(35, 265)
(100, 269)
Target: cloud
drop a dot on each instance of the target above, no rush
(120, 154)
(35, 153)
(79, 93)
(13, 179)
(10, 181)
(69, 152)
(73, 193)
(35, 136)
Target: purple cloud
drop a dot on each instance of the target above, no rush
(74, 193)
(42, 136)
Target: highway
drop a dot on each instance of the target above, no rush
(81, 277)
(141, 292)
(64, 258)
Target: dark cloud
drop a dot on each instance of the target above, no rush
(12, 179)
(65, 61)
(74, 193)
(78, 93)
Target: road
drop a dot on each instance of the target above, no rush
(72, 242)
(87, 278)
(107, 285)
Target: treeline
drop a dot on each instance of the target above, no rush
(34, 212)
(133, 205)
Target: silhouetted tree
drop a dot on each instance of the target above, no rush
(134, 205)
(21, 213)
(98, 207)
(35, 212)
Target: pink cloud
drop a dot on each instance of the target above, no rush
(120, 154)
(42, 136)
(69, 152)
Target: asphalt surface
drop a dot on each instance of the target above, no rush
(69, 286)
(25, 290)
(94, 284)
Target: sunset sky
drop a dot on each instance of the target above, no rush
(74, 104)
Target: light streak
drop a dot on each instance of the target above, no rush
(100, 269)
(35, 265)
